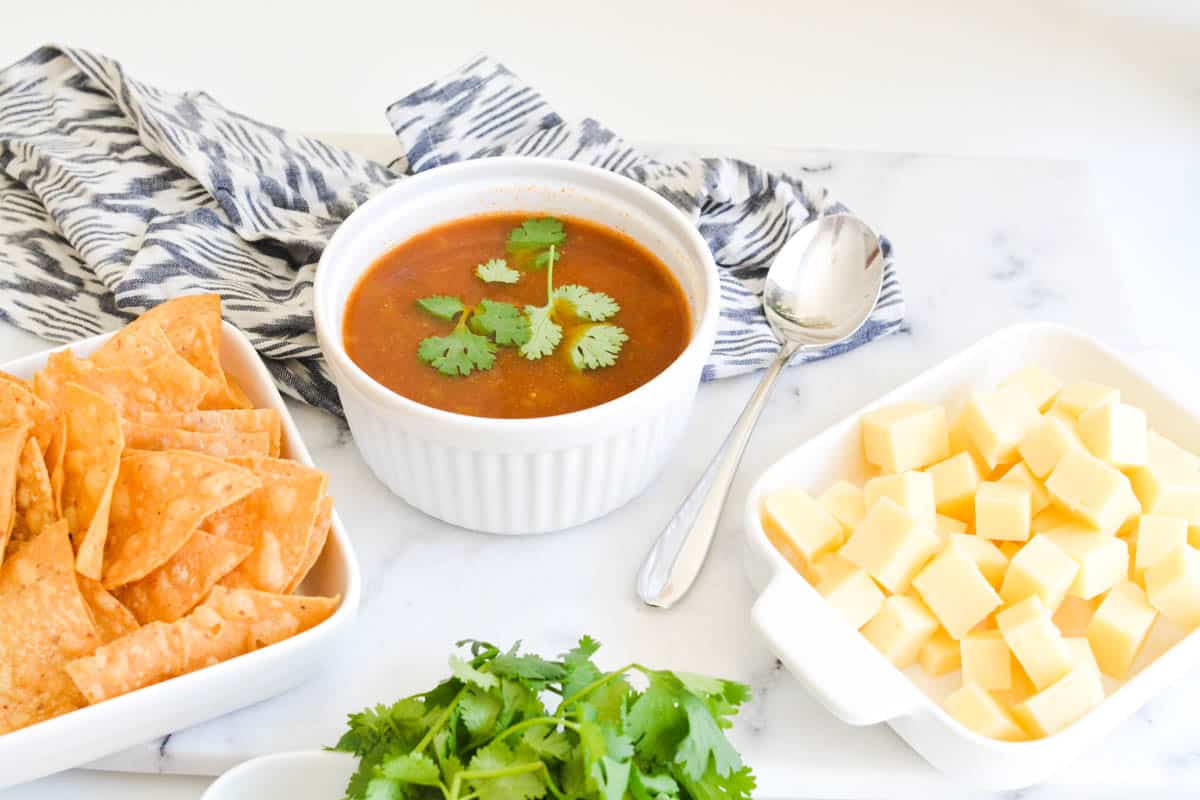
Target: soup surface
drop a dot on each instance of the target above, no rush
(402, 343)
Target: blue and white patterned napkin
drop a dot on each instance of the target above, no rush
(115, 196)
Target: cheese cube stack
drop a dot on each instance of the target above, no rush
(1029, 544)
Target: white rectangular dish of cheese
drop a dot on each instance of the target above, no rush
(854, 678)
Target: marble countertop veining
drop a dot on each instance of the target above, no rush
(980, 244)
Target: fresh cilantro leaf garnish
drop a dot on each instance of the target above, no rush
(544, 333)
(536, 234)
(442, 306)
(485, 734)
(460, 353)
(586, 304)
(497, 270)
(597, 346)
(502, 321)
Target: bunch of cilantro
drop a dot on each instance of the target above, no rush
(486, 734)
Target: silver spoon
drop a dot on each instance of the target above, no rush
(820, 289)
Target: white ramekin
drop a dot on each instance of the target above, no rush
(841, 669)
(516, 476)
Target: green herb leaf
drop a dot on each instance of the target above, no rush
(497, 270)
(469, 674)
(544, 333)
(479, 710)
(597, 346)
(533, 670)
(586, 304)
(496, 773)
(442, 306)
(657, 786)
(536, 234)
(412, 768)
(504, 321)
(460, 353)
(704, 742)
(384, 789)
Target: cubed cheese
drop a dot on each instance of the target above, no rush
(987, 661)
(1092, 489)
(844, 502)
(1046, 442)
(990, 560)
(1039, 383)
(912, 490)
(1168, 483)
(1034, 641)
(1019, 475)
(1116, 433)
(939, 655)
(979, 711)
(830, 564)
(1052, 517)
(1103, 559)
(956, 591)
(1042, 569)
(851, 591)
(946, 525)
(1157, 536)
(997, 421)
(1002, 511)
(1173, 587)
(1119, 627)
(1076, 398)
(1063, 702)
(890, 545)
(954, 483)
(799, 527)
(905, 436)
(1074, 615)
(900, 629)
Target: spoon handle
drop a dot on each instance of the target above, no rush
(678, 554)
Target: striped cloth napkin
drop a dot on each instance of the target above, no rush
(115, 196)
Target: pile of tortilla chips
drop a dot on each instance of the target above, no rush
(148, 525)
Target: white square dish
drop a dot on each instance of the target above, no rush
(843, 670)
(95, 731)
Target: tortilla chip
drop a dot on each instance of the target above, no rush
(44, 622)
(316, 543)
(12, 441)
(230, 420)
(90, 467)
(237, 395)
(217, 445)
(159, 501)
(268, 617)
(178, 586)
(166, 384)
(56, 453)
(34, 494)
(19, 405)
(113, 620)
(193, 324)
(140, 342)
(275, 520)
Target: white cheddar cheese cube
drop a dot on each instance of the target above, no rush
(1063, 702)
(956, 591)
(1076, 398)
(1103, 559)
(844, 502)
(1157, 536)
(946, 525)
(939, 655)
(1081, 653)
(1019, 475)
(987, 661)
(1046, 442)
(1074, 615)
(905, 436)
(1092, 489)
(900, 629)
(954, 483)
(978, 711)
(799, 527)
(1169, 482)
(990, 560)
(1119, 628)
(997, 421)
(1040, 384)
(1042, 569)
(1003, 511)
(890, 545)
(1173, 587)
(1116, 433)
(912, 490)
(1034, 641)
(1052, 517)
(852, 592)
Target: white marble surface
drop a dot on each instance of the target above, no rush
(980, 244)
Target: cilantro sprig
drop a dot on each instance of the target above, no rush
(472, 344)
(485, 733)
